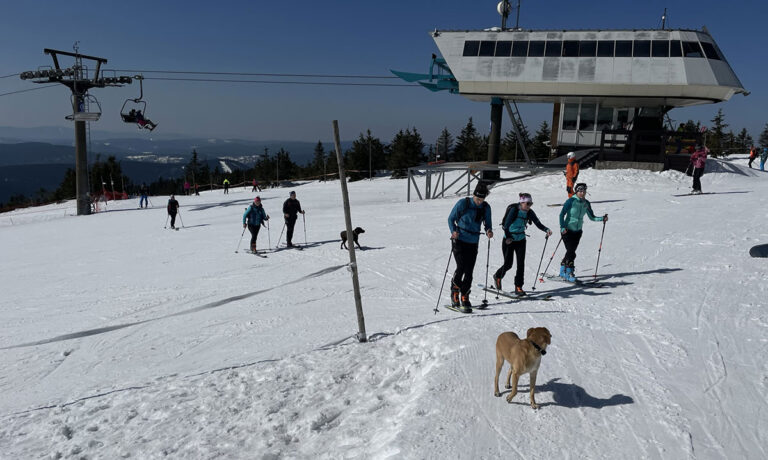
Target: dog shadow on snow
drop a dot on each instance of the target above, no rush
(570, 395)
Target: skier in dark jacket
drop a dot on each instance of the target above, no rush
(291, 208)
(173, 208)
(464, 222)
(254, 218)
(513, 245)
(571, 221)
(143, 191)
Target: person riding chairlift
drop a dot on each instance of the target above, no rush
(143, 122)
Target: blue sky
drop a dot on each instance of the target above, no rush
(336, 37)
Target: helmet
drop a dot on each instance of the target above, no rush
(571, 155)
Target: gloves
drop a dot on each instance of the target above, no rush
(605, 218)
(563, 230)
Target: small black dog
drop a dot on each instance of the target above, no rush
(355, 232)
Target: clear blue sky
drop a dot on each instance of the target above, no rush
(336, 37)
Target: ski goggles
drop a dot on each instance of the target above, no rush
(526, 198)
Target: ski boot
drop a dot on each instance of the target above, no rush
(519, 291)
(455, 297)
(466, 305)
(562, 271)
(569, 276)
(497, 282)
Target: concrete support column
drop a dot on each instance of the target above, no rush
(494, 139)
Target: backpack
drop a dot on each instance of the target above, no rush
(516, 207)
(479, 217)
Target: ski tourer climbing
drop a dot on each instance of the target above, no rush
(464, 222)
(571, 221)
(173, 209)
(253, 218)
(516, 220)
(291, 207)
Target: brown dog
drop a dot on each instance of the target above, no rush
(355, 232)
(524, 357)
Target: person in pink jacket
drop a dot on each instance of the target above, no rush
(698, 160)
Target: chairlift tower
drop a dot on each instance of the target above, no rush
(79, 79)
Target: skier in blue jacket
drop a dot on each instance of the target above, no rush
(571, 221)
(464, 222)
(253, 218)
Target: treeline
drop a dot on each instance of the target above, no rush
(367, 155)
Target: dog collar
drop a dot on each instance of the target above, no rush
(536, 346)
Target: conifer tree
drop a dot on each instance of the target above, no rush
(366, 153)
(468, 144)
(541, 139)
(444, 145)
(510, 149)
(406, 150)
(743, 140)
(716, 135)
(318, 160)
(764, 137)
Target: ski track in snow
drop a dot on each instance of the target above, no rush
(666, 360)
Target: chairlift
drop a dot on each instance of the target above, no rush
(131, 107)
(85, 110)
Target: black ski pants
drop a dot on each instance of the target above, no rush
(254, 229)
(510, 251)
(465, 255)
(173, 219)
(697, 173)
(290, 222)
(571, 242)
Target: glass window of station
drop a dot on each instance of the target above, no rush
(592, 48)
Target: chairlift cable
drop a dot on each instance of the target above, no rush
(11, 75)
(211, 80)
(25, 90)
(256, 74)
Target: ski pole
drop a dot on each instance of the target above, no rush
(304, 220)
(599, 250)
(180, 219)
(487, 263)
(546, 238)
(281, 236)
(269, 237)
(444, 276)
(541, 275)
(241, 240)
(166, 221)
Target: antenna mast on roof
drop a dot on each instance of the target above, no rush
(664, 19)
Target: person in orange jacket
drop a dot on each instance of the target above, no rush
(752, 156)
(571, 173)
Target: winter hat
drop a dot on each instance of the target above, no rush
(292, 193)
(481, 190)
(571, 155)
(580, 187)
(526, 198)
(257, 199)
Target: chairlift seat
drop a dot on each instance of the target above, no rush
(84, 116)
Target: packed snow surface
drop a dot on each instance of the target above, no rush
(120, 338)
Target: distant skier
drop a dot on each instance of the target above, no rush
(518, 217)
(143, 192)
(763, 158)
(255, 186)
(291, 208)
(698, 161)
(571, 221)
(752, 156)
(226, 186)
(254, 218)
(173, 209)
(464, 222)
(571, 173)
(186, 187)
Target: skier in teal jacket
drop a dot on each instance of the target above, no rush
(571, 220)
(253, 218)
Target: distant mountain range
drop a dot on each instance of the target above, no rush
(34, 158)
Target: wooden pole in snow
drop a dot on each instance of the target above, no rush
(350, 239)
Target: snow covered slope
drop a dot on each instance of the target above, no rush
(120, 338)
